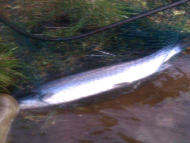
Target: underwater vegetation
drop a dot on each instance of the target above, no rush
(9, 65)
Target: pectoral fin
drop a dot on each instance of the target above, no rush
(123, 84)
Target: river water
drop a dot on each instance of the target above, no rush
(158, 111)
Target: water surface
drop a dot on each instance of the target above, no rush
(158, 111)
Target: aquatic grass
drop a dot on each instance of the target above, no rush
(69, 18)
(76, 14)
(9, 66)
(83, 13)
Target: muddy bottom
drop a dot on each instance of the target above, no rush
(158, 111)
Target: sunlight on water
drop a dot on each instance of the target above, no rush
(158, 111)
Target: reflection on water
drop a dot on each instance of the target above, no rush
(157, 112)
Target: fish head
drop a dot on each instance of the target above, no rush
(32, 101)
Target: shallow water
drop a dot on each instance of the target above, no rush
(158, 111)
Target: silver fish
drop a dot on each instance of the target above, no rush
(96, 81)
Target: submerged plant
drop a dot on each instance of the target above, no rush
(8, 67)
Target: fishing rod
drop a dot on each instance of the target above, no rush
(43, 38)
